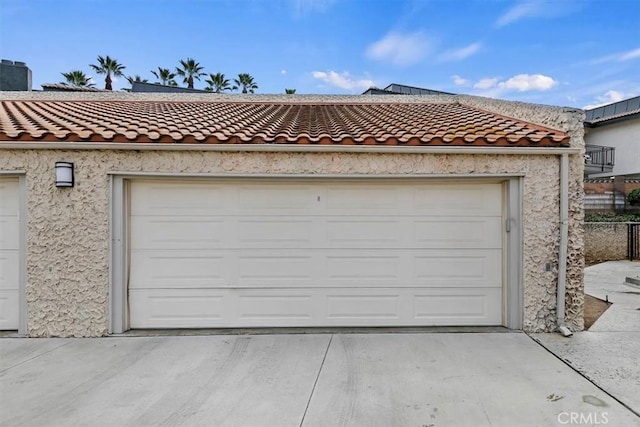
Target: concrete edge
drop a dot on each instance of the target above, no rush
(583, 375)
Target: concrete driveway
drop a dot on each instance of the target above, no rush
(609, 352)
(402, 379)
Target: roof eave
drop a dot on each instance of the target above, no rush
(604, 122)
(291, 148)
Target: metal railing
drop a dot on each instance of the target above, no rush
(633, 241)
(600, 157)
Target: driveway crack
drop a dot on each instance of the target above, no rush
(316, 381)
(34, 357)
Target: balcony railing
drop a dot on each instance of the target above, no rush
(598, 158)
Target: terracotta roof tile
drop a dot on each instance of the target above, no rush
(260, 123)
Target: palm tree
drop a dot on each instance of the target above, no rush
(217, 83)
(132, 80)
(245, 82)
(190, 70)
(136, 79)
(77, 78)
(290, 91)
(166, 76)
(109, 67)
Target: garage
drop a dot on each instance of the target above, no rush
(307, 252)
(9, 253)
(232, 211)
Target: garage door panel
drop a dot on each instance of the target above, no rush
(463, 306)
(178, 232)
(314, 232)
(9, 232)
(9, 252)
(366, 232)
(173, 198)
(9, 309)
(459, 268)
(188, 308)
(9, 195)
(178, 308)
(9, 275)
(220, 198)
(363, 268)
(325, 267)
(274, 232)
(179, 269)
(386, 306)
(315, 253)
(276, 269)
(205, 233)
(440, 232)
(269, 306)
(458, 199)
(275, 199)
(359, 198)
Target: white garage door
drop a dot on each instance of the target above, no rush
(9, 252)
(242, 253)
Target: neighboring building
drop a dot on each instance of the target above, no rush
(397, 89)
(206, 211)
(14, 76)
(608, 194)
(63, 87)
(144, 87)
(612, 154)
(612, 137)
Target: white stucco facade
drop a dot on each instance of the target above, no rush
(624, 136)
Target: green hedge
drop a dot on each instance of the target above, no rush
(610, 217)
(634, 197)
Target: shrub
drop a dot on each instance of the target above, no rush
(634, 197)
(611, 217)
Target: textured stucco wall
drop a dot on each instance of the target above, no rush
(605, 241)
(68, 229)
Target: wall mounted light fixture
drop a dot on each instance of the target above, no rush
(64, 174)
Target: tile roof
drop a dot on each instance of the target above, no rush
(267, 122)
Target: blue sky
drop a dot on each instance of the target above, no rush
(562, 52)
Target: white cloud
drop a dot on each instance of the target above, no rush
(342, 80)
(462, 53)
(486, 83)
(400, 49)
(528, 82)
(494, 86)
(283, 71)
(537, 9)
(519, 11)
(459, 81)
(632, 54)
(620, 56)
(609, 97)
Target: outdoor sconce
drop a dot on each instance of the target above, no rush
(64, 174)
